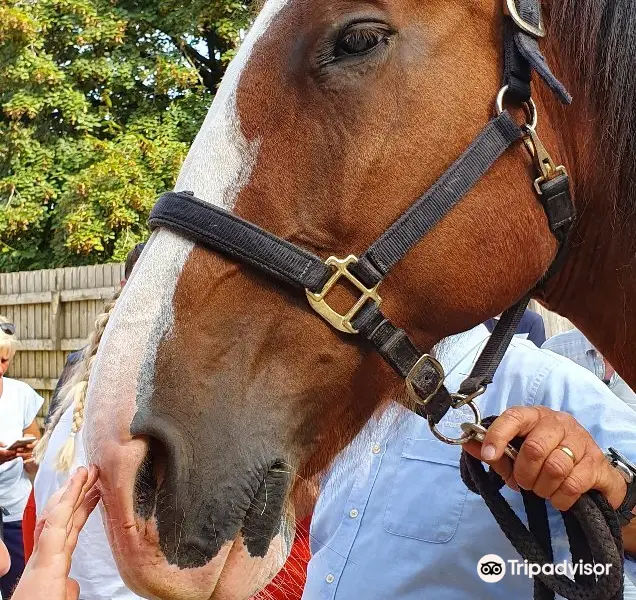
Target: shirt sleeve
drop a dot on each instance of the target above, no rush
(32, 404)
(537, 333)
(573, 389)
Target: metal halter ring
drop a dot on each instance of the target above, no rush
(456, 441)
(530, 108)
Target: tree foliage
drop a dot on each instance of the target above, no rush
(99, 102)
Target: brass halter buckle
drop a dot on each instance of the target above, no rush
(510, 9)
(318, 302)
(410, 388)
(417, 367)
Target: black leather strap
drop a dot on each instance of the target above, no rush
(527, 48)
(495, 349)
(426, 212)
(561, 213)
(224, 232)
(517, 70)
(395, 347)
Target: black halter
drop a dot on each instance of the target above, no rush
(224, 232)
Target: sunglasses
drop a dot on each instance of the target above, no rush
(7, 328)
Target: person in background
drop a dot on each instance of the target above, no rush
(19, 405)
(394, 519)
(530, 327)
(575, 346)
(61, 451)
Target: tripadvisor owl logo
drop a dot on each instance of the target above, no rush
(491, 568)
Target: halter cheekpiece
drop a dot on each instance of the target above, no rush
(224, 232)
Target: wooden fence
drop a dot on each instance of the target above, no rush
(54, 312)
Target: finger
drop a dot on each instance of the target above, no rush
(536, 448)
(504, 466)
(72, 589)
(39, 526)
(516, 421)
(91, 480)
(81, 516)
(556, 468)
(580, 480)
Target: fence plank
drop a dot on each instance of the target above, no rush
(25, 299)
(41, 384)
(77, 295)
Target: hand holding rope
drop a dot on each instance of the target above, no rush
(591, 522)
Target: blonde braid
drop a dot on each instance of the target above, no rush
(75, 393)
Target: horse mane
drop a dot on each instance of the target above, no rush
(597, 42)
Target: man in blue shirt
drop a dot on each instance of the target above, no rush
(574, 345)
(395, 521)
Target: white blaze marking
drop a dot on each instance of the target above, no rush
(220, 161)
(217, 167)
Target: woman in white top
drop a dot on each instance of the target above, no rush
(19, 405)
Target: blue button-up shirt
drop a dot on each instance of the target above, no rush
(395, 521)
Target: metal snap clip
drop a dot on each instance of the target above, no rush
(477, 432)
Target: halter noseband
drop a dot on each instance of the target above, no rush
(220, 230)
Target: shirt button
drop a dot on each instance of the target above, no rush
(353, 513)
(376, 449)
(330, 578)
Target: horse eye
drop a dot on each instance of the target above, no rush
(360, 39)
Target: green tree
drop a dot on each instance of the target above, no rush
(99, 102)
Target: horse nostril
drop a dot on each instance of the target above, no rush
(151, 477)
(159, 455)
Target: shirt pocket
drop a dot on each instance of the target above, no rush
(428, 496)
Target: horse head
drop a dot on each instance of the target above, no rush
(216, 396)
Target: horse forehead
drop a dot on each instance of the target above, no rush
(221, 159)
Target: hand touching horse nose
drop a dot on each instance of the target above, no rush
(558, 459)
(46, 574)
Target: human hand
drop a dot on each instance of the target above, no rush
(6, 455)
(46, 574)
(542, 466)
(26, 453)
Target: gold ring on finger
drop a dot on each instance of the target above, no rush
(569, 452)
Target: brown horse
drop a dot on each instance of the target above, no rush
(215, 394)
